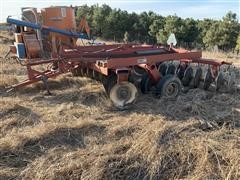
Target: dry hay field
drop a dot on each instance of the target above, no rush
(77, 134)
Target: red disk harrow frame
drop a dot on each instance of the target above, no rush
(117, 66)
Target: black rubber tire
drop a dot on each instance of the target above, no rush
(167, 81)
(197, 77)
(208, 79)
(188, 75)
(171, 69)
(145, 84)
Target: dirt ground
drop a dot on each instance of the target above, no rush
(77, 134)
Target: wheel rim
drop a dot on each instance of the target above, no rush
(123, 94)
(171, 89)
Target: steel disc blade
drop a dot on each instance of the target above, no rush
(208, 79)
(231, 80)
(145, 84)
(197, 77)
(83, 71)
(180, 71)
(162, 68)
(220, 81)
(188, 75)
(171, 69)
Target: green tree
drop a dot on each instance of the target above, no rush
(100, 13)
(237, 48)
(213, 35)
(190, 31)
(156, 26)
(203, 26)
(173, 24)
(150, 27)
(223, 33)
(85, 11)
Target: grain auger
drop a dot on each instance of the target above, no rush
(123, 69)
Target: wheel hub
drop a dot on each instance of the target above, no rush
(171, 89)
(123, 94)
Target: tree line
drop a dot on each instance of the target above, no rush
(152, 28)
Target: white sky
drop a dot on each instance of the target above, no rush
(197, 9)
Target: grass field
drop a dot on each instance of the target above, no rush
(77, 134)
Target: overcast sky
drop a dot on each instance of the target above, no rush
(198, 9)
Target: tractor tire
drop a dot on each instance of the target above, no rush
(169, 86)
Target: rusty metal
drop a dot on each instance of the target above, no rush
(112, 64)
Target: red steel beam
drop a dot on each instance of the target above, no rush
(152, 59)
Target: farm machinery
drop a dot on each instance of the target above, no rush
(49, 38)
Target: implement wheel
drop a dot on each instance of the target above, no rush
(169, 86)
(123, 94)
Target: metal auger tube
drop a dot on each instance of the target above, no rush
(47, 28)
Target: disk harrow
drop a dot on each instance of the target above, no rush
(123, 69)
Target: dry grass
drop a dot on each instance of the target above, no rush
(77, 134)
